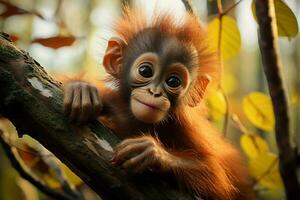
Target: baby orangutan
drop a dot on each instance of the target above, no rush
(159, 73)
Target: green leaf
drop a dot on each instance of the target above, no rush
(230, 36)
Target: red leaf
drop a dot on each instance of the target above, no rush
(11, 10)
(33, 158)
(28, 154)
(14, 38)
(55, 42)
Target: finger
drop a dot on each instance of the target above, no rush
(124, 153)
(131, 141)
(145, 164)
(76, 104)
(68, 98)
(96, 101)
(86, 104)
(135, 161)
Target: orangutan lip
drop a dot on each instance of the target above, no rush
(146, 104)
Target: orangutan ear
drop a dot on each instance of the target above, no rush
(197, 91)
(112, 60)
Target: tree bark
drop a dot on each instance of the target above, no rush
(272, 65)
(32, 100)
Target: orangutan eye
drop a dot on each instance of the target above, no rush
(173, 81)
(145, 70)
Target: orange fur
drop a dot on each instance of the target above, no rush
(191, 32)
(217, 170)
(221, 172)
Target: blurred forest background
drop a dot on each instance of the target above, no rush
(68, 37)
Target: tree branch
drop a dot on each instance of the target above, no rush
(32, 101)
(231, 7)
(265, 12)
(188, 6)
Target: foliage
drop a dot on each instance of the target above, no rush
(229, 36)
(259, 110)
(257, 106)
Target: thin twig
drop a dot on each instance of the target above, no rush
(231, 7)
(188, 6)
(220, 57)
(220, 6)
(220, 16)
(227, 113)
(239, 124)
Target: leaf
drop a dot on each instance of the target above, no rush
(11, 10)
(230, 36)
(286, 20)
(229, 82)
(56, 42)
(287, 24)
(253, 145)
(34, 158)
(14, 38)
(71, 177)
(217, 105)
(265, 169)
(259, 110)
(8, 129)
(41, 162)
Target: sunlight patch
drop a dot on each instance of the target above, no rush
(104, 144)
(36, 83)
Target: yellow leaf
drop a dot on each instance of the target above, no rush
(71, 177)
(8, 129)
(217, 105)
(265, 169)
(253, 145)
(51, 181)
(230, 36)
(286, 20)
(259, 110)
(229, 82)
